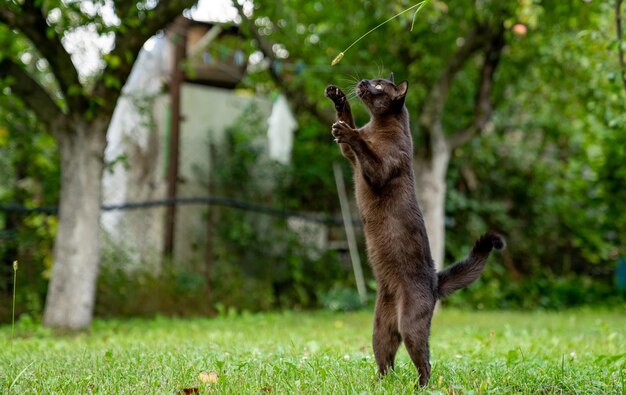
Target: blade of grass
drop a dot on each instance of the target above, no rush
(18, 375)
(14, 288)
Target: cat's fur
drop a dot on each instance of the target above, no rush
(408, 286)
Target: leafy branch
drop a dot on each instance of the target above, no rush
(480, 38)
(31, 22)
(299, 100)
(128, 42)
(33, 94)
(30, 19)
(483, 106)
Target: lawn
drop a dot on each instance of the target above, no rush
(320, 353)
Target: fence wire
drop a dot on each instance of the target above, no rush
(185, 201)
(134, 233)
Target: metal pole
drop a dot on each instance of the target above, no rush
(349, 227)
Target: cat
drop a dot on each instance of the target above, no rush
(408, 285)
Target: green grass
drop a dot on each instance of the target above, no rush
(320, 353)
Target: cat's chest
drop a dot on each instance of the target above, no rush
(376, 204)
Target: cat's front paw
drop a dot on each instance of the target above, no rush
(335, 94)
(342, 132)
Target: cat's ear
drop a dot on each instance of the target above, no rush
(391, 78)
(401, 90)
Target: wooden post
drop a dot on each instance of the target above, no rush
(179, 40)
(349, 227)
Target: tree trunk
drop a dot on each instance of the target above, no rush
(430, 181)
(72, 288)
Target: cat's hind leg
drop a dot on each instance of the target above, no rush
(414, 328)
(386, 339)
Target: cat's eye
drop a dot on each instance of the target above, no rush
(379, 87)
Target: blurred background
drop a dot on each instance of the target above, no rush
(175, 157)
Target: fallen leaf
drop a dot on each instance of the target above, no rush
(208, 378)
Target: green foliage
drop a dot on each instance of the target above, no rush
(313, 154)
(341, 298)
(172, 291)
(31, 177)
(264, 251)
(497, 289)
(575, 352)
(549, 171)
(258, 262)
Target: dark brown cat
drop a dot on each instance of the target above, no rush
(381, 154)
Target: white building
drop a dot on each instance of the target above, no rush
(139, 141)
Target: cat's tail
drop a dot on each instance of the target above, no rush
(463, 273)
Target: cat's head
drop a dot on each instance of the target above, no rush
(382, 96)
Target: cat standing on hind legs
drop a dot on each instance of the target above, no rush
(408, 286)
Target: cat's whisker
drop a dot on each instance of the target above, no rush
(358, 77)
(380, 68)
(351, 94)
(349, 83)
(347, 77)
(348, 86)
(353, 79)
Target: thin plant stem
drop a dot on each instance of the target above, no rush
(422, 4)
(14, 289)
(342, 53)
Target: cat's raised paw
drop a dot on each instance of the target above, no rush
(335, 94)
(342, 132)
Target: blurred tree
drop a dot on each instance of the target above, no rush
(552, 171)
(77, 114)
